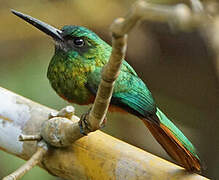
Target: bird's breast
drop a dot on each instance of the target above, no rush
(69, 82)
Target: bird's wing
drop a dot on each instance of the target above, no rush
(130, 92)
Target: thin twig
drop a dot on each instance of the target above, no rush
(33, 161)
(23, 137)
(109, 75)
(66, 112)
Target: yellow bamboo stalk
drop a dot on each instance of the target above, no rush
(96, 156)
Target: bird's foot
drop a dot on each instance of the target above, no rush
(66, 112)
(84, 124)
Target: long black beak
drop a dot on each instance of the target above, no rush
(46, 28)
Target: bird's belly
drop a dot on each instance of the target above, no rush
(77, 96)
(72, 91)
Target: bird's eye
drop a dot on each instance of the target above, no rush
(78, 42)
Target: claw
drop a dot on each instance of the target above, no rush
(85, 126)
(83, 123)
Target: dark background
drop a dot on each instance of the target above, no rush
(179, 69)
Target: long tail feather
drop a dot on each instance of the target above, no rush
(173, 141)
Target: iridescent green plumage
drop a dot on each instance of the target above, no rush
(75, 73)
(78, 64)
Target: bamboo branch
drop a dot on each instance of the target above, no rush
(33, 161)
(97, 156)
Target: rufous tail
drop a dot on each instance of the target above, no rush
(173, 145)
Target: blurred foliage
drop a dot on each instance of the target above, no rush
(177, 67)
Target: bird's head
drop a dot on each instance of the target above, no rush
(69, 39)
(78, 39)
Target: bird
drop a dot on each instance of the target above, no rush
(74, 73)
